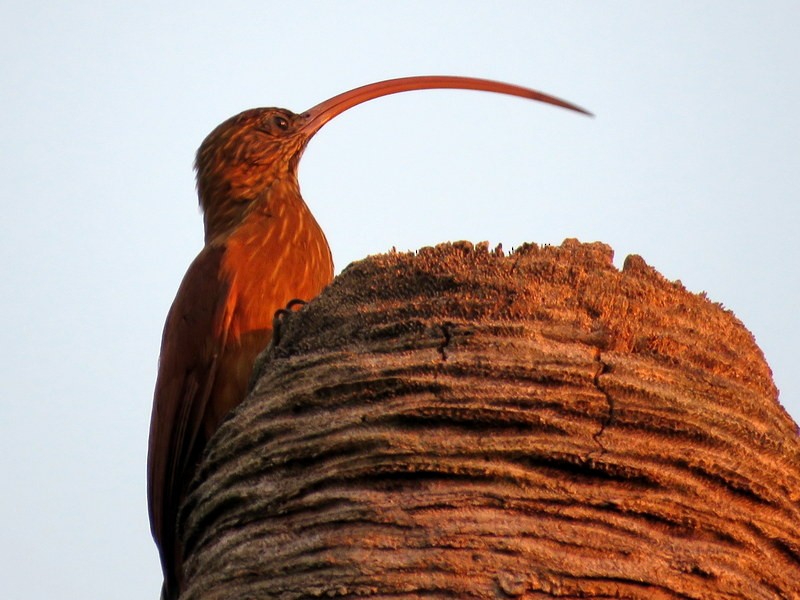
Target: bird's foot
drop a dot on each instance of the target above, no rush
(277, 319)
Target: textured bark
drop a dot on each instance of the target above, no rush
(457, 423)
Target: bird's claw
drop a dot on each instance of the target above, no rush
(277, 319)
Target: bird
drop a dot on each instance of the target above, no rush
(262, 250)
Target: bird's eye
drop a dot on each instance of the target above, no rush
(280, 122)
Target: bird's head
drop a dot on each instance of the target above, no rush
(242, 158)
(248, 153)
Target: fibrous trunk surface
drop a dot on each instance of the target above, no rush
(460, 423)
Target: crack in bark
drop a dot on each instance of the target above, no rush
(602, 368)
(447, 335)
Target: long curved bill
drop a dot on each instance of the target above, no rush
(327, 110)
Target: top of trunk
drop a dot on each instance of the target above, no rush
(456, 422)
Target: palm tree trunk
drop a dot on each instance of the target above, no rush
(458, 423)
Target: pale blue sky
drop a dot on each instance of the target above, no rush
(692, 162)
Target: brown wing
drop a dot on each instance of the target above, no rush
(190, 354)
